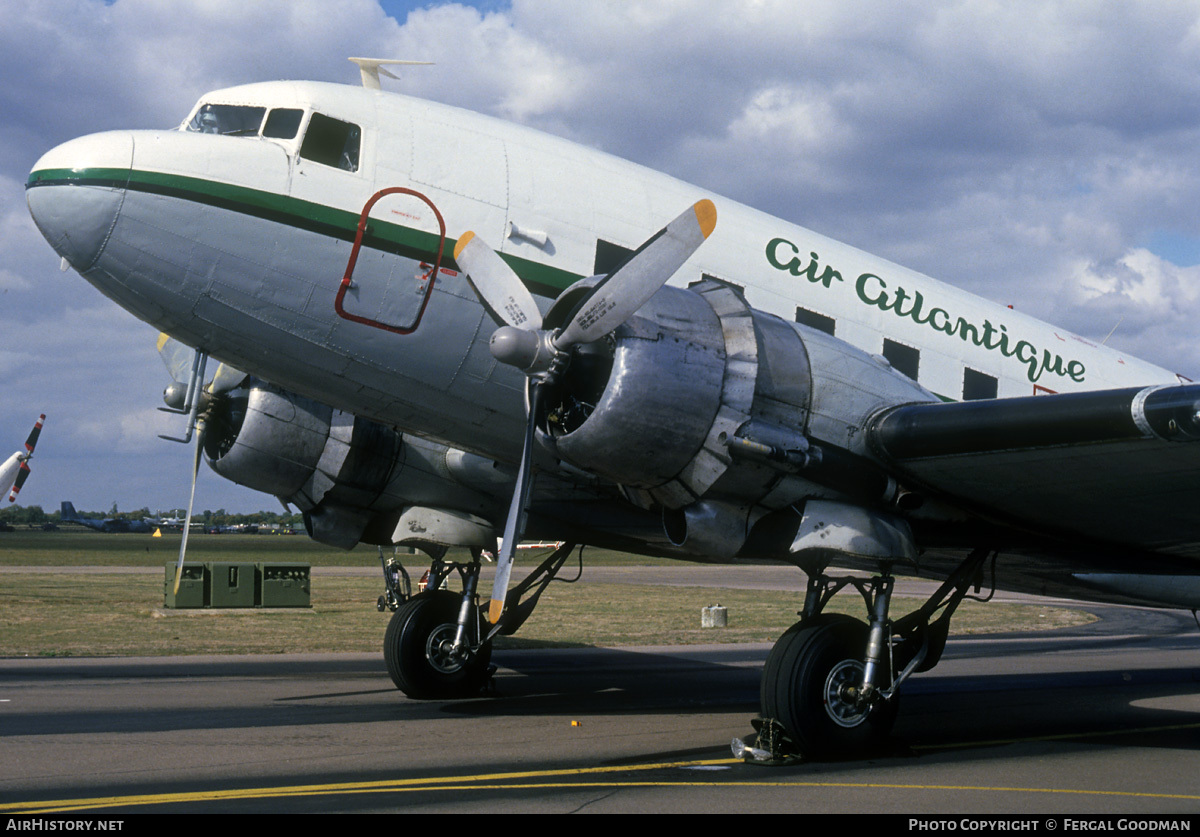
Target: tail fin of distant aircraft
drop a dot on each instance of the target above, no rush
(68, 511)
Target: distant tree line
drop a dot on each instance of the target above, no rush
(16, 515)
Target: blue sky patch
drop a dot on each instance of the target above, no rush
(1177, 248)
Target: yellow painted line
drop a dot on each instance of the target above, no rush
(345, 787)
(511, 781)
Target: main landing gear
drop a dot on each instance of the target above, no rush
(422, 654)
(832, 682)
(438, 644)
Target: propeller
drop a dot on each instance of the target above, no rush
(544, 355)
(15, 470)
(197, 402)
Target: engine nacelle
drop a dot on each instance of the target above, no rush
(268, 439)
(688, 402)
(353, 479)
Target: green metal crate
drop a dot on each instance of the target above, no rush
(232, 584)
(193, 586)
(286, 585)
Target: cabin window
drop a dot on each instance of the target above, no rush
(230, 120)
(609, 256)
(904, 359)
(978, 386)
(283, 123)
(331, 142)
(814, 320)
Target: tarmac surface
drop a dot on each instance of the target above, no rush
(1102, 719)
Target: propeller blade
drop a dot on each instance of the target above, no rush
(31, 442)
(514, 526)
(181, 360)
(227, 378)
(496, 284)
(187, 521)
(19, 461)
(619, 295)
(22, 475)
(176, 357)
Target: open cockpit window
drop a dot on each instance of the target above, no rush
(331, 142)
(230, 120)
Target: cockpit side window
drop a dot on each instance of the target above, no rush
(283, 123)
(331, 142)
(230, 120)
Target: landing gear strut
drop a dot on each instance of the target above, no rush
(832, 681)
(438, 644)
(434, 646)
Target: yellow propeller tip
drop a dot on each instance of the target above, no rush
(463, 241)
(706, 215)
(495, 608)
(163, 337)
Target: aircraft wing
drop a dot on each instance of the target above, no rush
(1114, 466)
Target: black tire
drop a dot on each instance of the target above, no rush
(799, 689)
(410, 648)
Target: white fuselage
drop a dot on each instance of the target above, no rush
(238, 244)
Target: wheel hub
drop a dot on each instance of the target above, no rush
(440, 651)
(841, 695)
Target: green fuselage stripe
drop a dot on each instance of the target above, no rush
(293, 212)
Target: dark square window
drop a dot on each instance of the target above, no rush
(978, 386)
(283, 123)
(904, 359)
(610, 256)
(814, 320)
(331, 142)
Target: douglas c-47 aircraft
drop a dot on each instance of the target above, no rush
(438, 328)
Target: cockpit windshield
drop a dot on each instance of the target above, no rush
(328, 141)
(231, 120)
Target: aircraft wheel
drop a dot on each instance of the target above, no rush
(416, 649)
(802, 688)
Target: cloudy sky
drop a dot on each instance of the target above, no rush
(1045, 154)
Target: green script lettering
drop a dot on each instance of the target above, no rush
(873, 290)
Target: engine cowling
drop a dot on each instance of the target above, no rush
(355, 480)
(686, 405)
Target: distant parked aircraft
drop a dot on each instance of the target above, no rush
(108, 524)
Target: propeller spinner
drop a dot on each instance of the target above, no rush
(543, 355)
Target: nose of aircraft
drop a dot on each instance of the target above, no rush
(75, 191)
